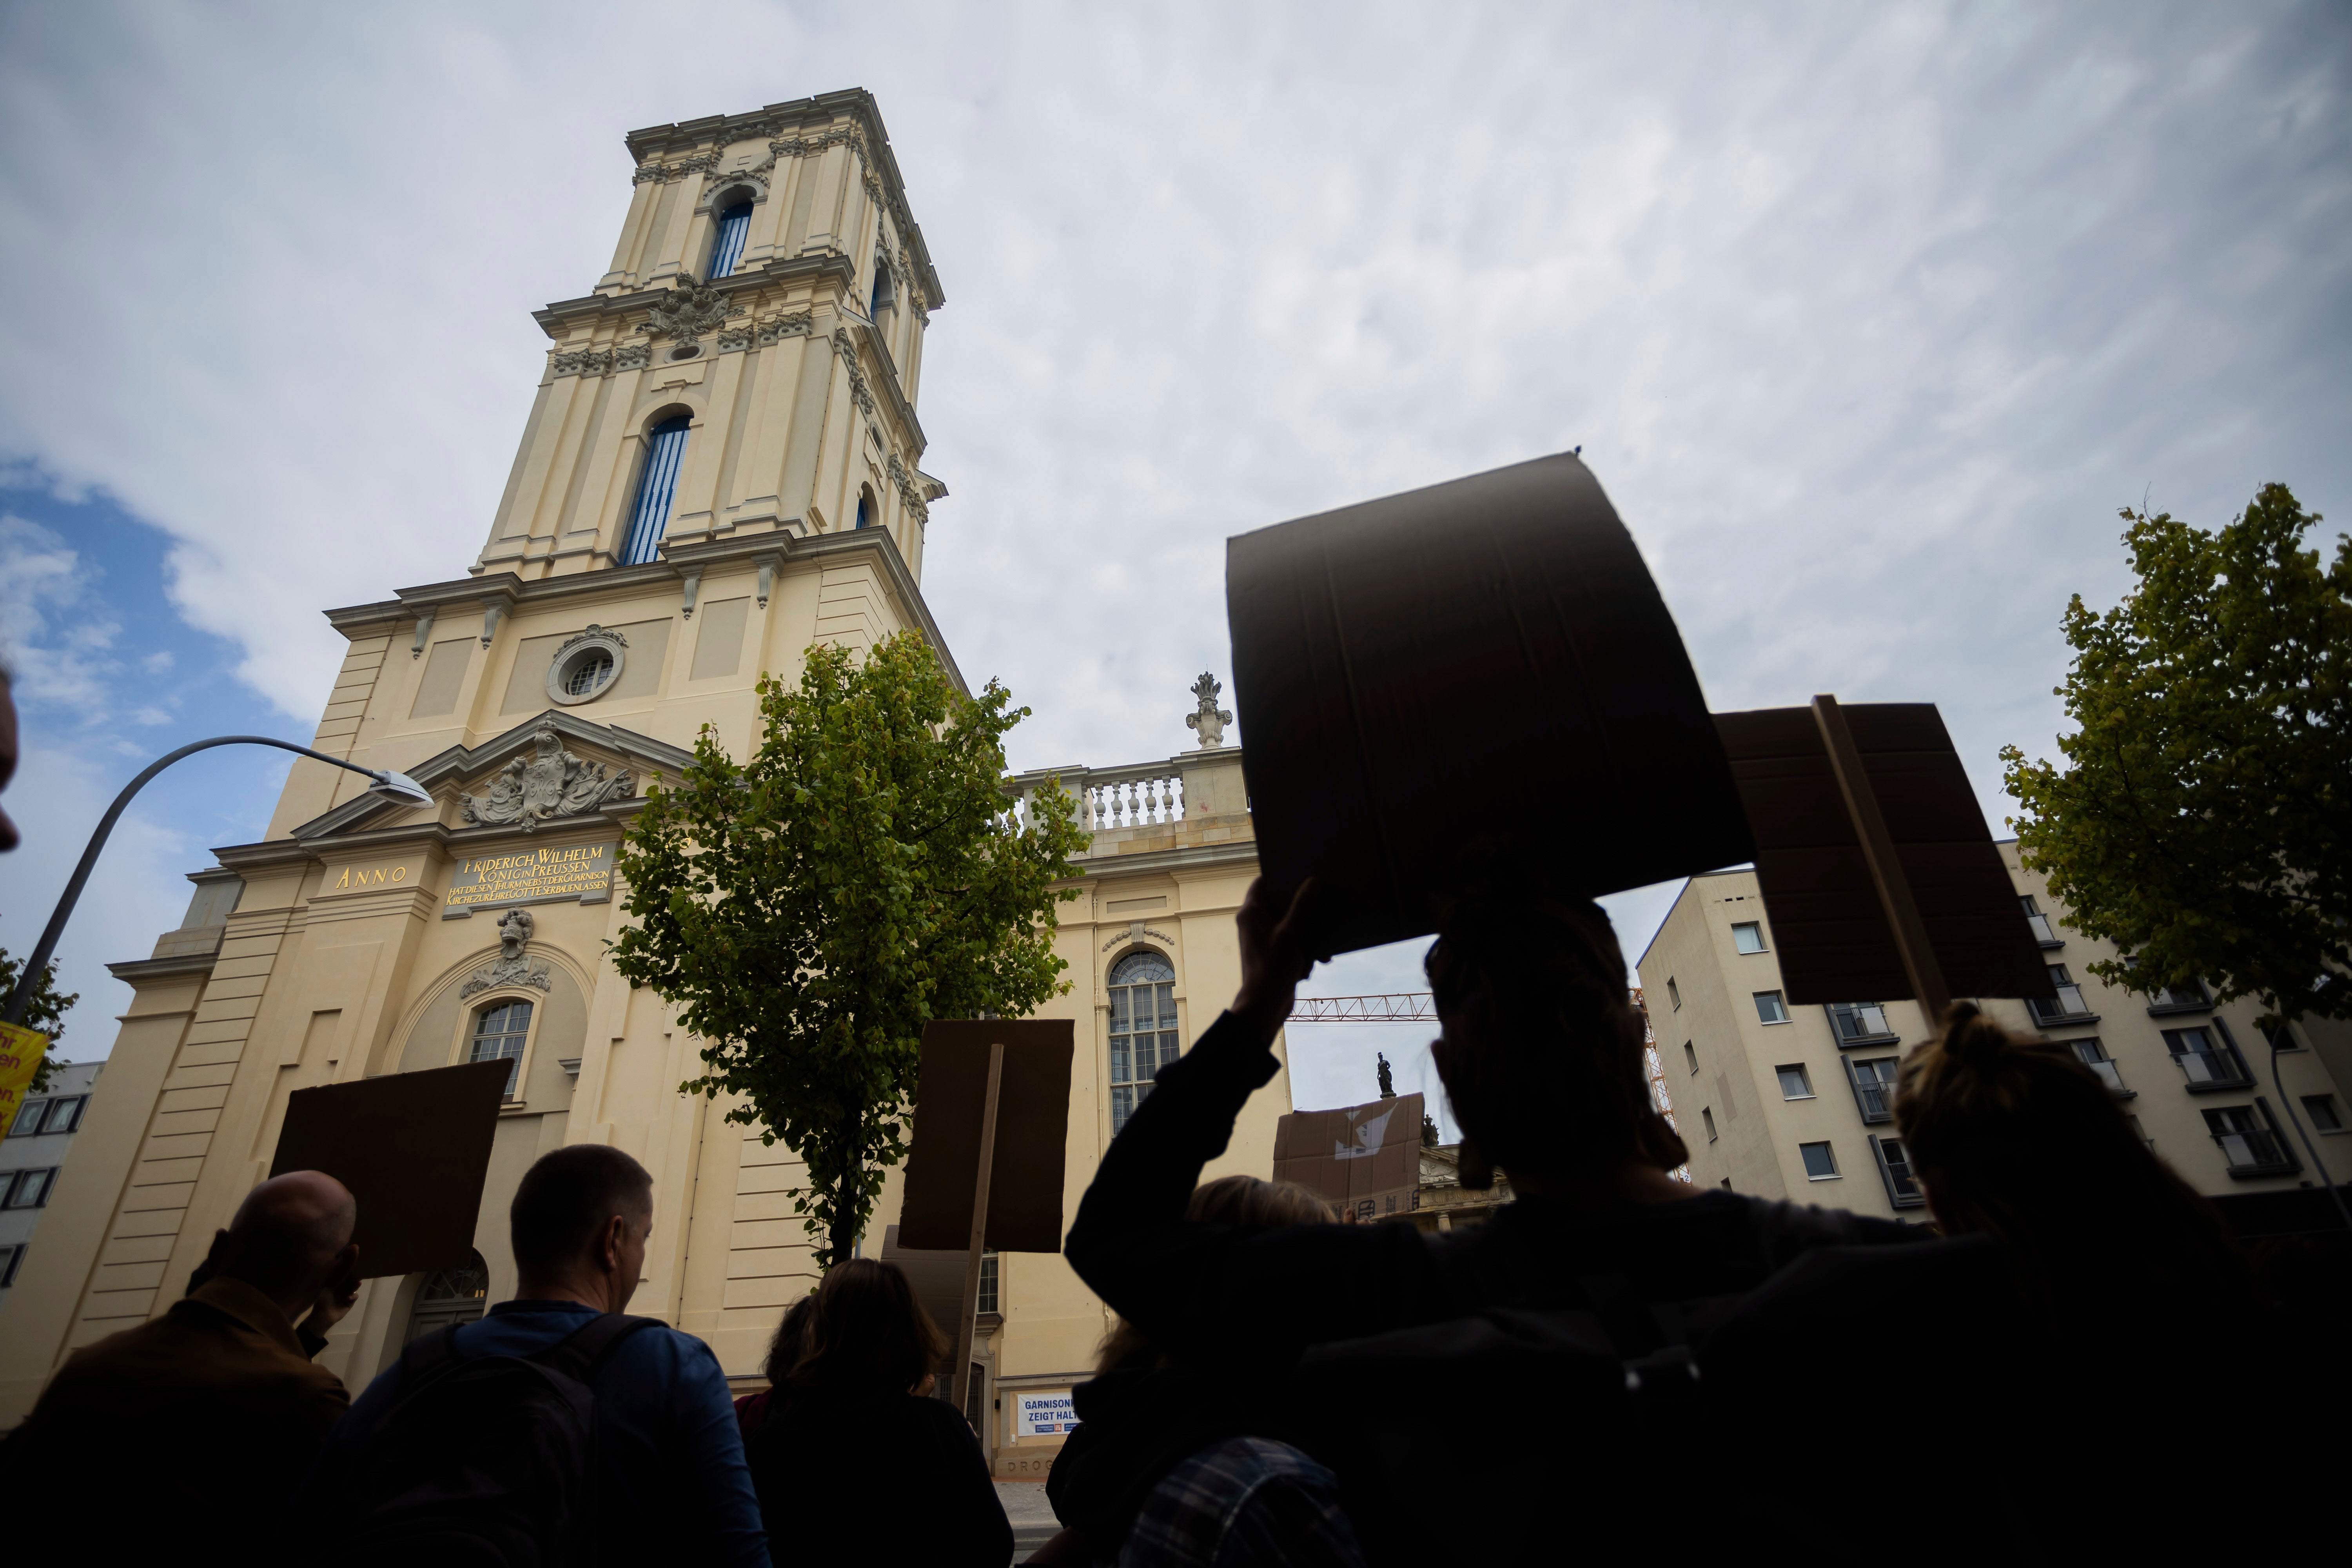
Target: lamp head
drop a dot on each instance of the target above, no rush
(400, 787)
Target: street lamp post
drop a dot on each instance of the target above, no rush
(386, 784)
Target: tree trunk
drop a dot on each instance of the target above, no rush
(845, 1212)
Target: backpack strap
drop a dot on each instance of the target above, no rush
(425, 1359)
(580, 1352)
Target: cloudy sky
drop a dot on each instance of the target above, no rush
(1868, 317)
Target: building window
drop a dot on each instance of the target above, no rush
(2206, 1058)
(1142, 1029)
(1690, 1055)
(65, 1115)
(26, 1189)
(451, 1296)
(1674, 994)
(2035, 918)
(2188, 998)
(1707, 1115)
(865, 510)
(1895, 1168)
(2249, 1141)
(2070, 1007)
(656, 490)
(1795, 1084)
(1821, 1165)
(1748, 936)
(1874, 1087)
(11, 1258)
(727, 245)
(498, 1032)
(987, 1299)
(2093, 1055)
(1860, 1023)
(884, 295)
(2321, 1109)
(28, 1119)
(1770, 1008)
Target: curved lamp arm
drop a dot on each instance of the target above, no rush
(386, 784)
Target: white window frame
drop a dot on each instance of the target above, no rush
(1745, 951)
(1803, 1076)
(1175, 981)
(460, 1049)
(1779, 1004)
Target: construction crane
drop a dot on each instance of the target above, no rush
(1397, 1007)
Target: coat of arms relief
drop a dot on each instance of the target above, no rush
(513, 966)
(550, 783)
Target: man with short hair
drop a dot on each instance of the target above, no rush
(670, 1483)
(212, 1411)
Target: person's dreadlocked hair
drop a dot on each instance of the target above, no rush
(1550, 1075)
(2019, 1138)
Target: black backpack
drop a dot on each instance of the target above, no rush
(485, 1460)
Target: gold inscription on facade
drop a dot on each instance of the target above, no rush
(370, 876)
(584, 871)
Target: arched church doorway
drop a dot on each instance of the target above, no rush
(450, 1296)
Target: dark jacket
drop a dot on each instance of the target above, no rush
(878, 1479)
(210, 1413)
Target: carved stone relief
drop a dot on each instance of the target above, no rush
(551, 784)
(513, 966)
(688, 312)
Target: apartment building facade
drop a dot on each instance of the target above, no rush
(32, 1153)
(1796, 1102)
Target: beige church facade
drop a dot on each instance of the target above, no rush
(720, 467)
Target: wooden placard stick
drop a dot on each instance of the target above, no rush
(967, 1319)
(1918, 954)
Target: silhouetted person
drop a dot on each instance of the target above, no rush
(7, 753)
(553, 1425)
(1543, 1059)
(2124, 1275)
(1151, 1435)
(858, 1466)
(213, 1412)
(784, 1354)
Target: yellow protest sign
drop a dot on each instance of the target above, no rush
(20, 1058)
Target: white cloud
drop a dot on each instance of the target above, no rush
(55, 632)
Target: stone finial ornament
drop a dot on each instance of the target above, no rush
(540, 788)
(1208, 721)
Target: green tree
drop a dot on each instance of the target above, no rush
(2201, 821)
(810, 910)
(46, 1013)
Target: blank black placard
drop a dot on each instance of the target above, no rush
(413, 1149)
(1033, 1114)
(1829, 926)
(1483, 659)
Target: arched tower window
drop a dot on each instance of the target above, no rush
(727, 245)
(656, 489)
(451, 1296)
(500, 1031)
(1142, 1029)
(865, 510)
(885, 296)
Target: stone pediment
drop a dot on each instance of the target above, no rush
(545, 770)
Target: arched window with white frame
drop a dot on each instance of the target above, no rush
(1143, 1033)
(449, 1296)
(727, 241)
(656, 489)
(500, 1030)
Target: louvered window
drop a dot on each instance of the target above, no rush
(656, 489)
(727, 245)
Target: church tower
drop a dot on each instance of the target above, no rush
(720, 467)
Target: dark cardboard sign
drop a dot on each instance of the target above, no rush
(1829, 926)
(1482, 659)
(413, 1149)
(1366, 1158)
(1032, 1115)
(937, 1279)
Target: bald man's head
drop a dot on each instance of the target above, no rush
(289, 1236)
